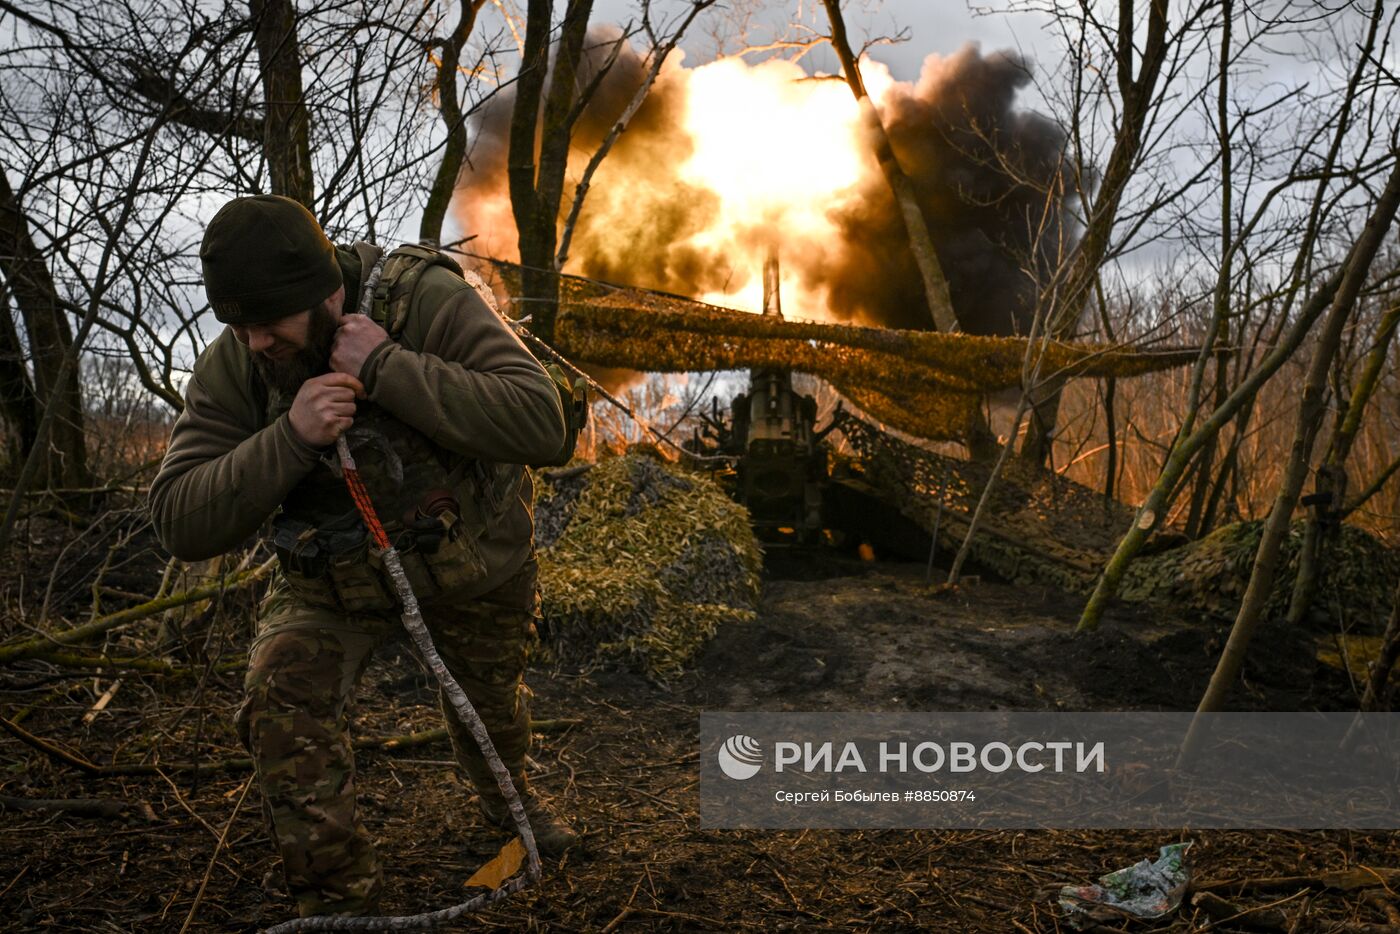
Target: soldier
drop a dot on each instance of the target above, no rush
(440, 417)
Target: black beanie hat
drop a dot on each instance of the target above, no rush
(264, 258)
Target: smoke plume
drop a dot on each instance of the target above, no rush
(726, 160)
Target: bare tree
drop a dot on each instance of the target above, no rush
(1338, 189)
(550, 97)
(541, 126)
(1137, 74)
(287, 124)
(60, 456)
(454, 121)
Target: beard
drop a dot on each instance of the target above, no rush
(313, 359)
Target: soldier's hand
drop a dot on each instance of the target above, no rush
(324, 408)
(355, 340)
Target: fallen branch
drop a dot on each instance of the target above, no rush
(48, 748)
(102, 702)
(428, 737)
(406, 741)
(1220, 911)
(14, 651)
(100, 808)
(144, 665)
(1340, 880)
(1392, 916)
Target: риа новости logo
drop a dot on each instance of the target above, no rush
(740, 757)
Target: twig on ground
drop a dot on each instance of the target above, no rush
(209, 870)
(49, 749)
(102, 702)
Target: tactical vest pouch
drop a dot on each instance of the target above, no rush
(447, 561)
(303, 563)
(328, 570)
(313, 589)
(456, 562)
(356, 585)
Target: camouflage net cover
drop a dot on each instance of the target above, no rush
(1040, 528)
(922, 382)
(1044, 529)
(641, 561)
(1355, 591)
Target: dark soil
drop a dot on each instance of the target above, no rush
(833, 634)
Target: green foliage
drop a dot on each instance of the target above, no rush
(641, 561)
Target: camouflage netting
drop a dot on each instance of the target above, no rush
(1045, 529)
(1040, 528)
(1356, 588)
(641, 561)
(921, 382)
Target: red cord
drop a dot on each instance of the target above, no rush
(362, 502)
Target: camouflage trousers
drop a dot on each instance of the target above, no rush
(302, 673)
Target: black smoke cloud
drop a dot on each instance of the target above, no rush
(980, 166)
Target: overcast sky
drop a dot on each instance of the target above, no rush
(934, 26)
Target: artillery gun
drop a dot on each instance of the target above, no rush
(780, 461)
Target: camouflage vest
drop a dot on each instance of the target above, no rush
(430, 500)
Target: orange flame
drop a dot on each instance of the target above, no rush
(781, 151)
(771, 151)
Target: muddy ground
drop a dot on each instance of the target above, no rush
(833, 634)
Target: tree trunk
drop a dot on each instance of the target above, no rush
(1110, 391)
(450, 107)
(1196, 518)
(1137, 93)
(1226, 477)
(18, 405)
(920, 243)
(64, 458)
(1325, 521)
(561, 108)
(287, 127)
(538, 286)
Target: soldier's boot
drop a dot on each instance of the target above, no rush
(553, 835)
(512, 742)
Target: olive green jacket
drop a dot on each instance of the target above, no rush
(456, 373)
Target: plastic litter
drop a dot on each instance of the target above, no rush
(1144, 891)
